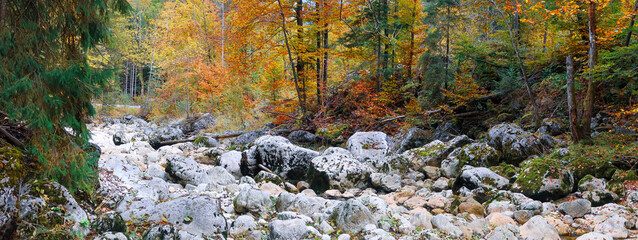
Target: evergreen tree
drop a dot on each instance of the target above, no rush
(46, 82)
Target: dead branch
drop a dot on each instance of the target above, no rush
(11, 138)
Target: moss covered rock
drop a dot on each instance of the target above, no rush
(506, 170)
(544, 179)
(514, 143)
(617, 182)
(434, 152)
(582, 166)
(474, 154)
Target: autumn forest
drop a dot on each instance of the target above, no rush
(318, 119)
(369, 61)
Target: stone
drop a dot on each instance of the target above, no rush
(440, 184)
(614, 226)
(243, 224)
(595, 190)
(231, 161)
(434, 152)
(337, 168)
(157, 171)
(575, 208)
(205, 140)
(421, 219)
(514, 143)
(522, 216)
(302, 203)
(271, 188)
(254, 201)
(196, 123)
(352, 216)
(369, 147)
(537, 228)
(218, 175)
(279, 155)
(415, 202)
(474, 154)
(560, 225)
(333, 193)
(248, 137)
(303, 137)
(408, 139)
(480, 177)
(158, 136)
(500, 206)
(550, 126)
(432, 172)
(197, 215)
(473, 207)
(500, 219)
(387, 182)
(112, 236)
(161, 233)
(594, 236)
(109, 222)
(544, 180)
(502, 233)
(264, 176)
(119, 138)
(325, 227)
(186, 171)
(288, 229)
(446, 224)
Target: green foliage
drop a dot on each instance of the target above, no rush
(45, 79)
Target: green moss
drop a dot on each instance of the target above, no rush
(46, 190)
(430, 150)
(506, 170)
(585, 179)
(533, 172)
(332, 131)
(12, 165)
(201, 141)
(616, 184)
(455, 203)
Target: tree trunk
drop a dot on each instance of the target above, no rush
(300, 61)
(292, 64)
(324, 75)
(517, 23)
(588, 106)
(3, 12)
(571, 101)
(318, 61)
(545, 38)
(447, 49)
(223, 32)
(631, 25)
(521, 65)
(379, 69)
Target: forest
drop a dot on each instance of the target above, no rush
(318, 119)
(361, 62)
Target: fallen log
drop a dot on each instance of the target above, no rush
(11, 138)
(192, 139)
(465, 114)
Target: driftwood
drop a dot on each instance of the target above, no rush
(391, 119)
(264, 168)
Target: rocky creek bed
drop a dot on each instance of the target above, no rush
(261, 186)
